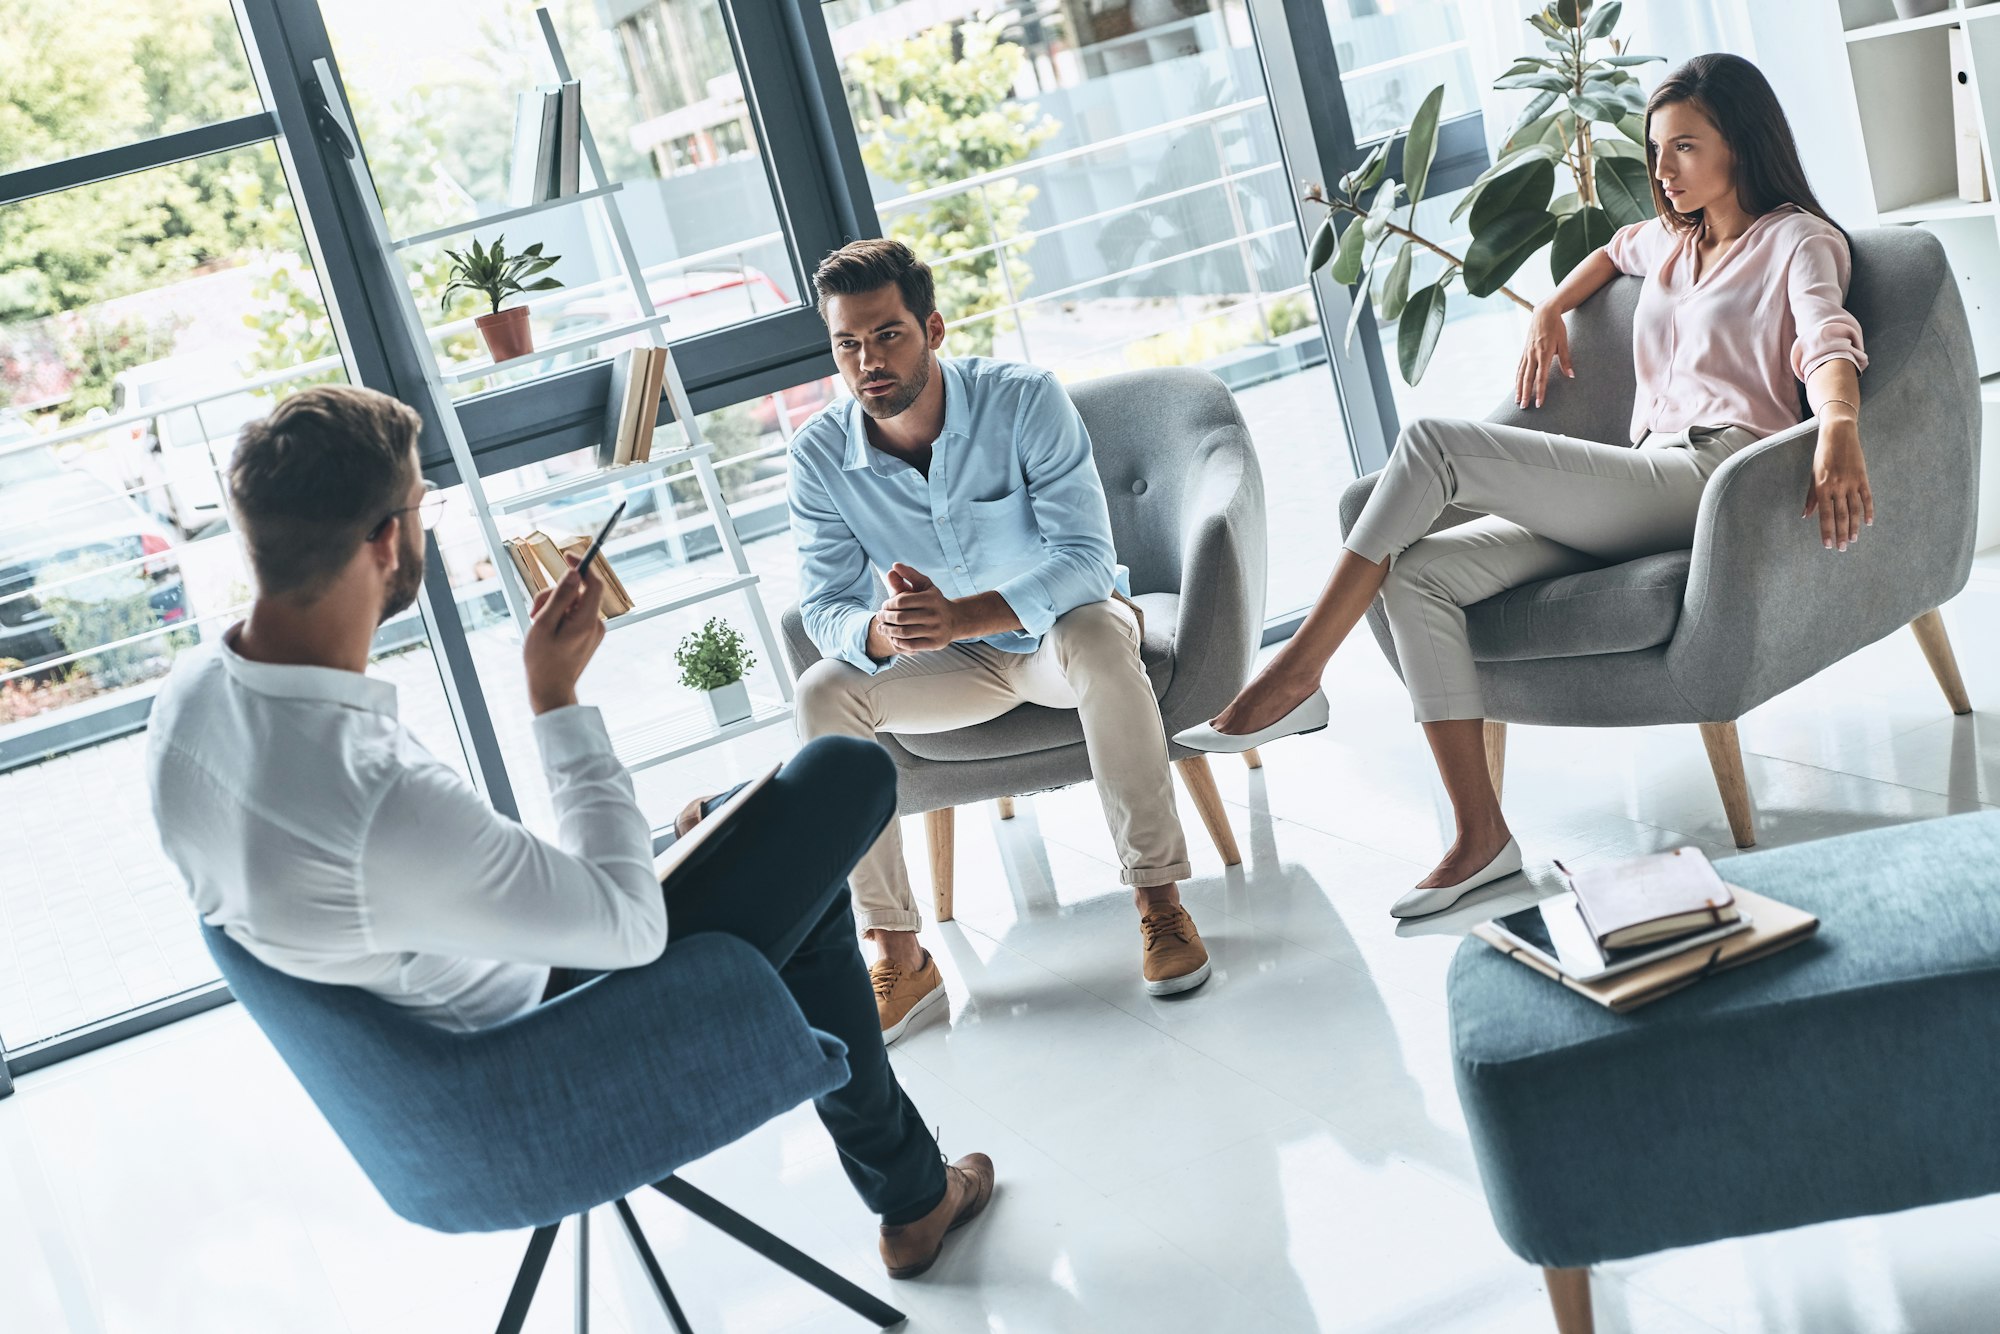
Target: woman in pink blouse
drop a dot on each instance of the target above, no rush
(1745, 276)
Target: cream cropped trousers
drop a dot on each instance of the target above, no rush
(1553, 505)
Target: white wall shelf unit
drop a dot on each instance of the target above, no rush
(689, 730)
(1900, 71)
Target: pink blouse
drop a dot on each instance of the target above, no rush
(1732, 348)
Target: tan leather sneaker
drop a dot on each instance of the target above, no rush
(911, 1248)
(1174, 957)
(900, 997)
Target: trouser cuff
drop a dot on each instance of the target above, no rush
(1449, 708)
(887, 919)
(1157, 875)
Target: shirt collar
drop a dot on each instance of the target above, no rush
(324, 685)
(957, 419)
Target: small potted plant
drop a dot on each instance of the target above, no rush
(713, 659)
(497, 275)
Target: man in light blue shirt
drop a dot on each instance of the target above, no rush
(956, 561)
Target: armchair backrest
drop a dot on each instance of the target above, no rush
(610, 1087)
(1148, 432)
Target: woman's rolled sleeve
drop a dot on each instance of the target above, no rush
(1825, 329)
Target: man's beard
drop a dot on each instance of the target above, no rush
(906, 394)
(408, 579)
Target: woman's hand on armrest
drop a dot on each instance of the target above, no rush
(1548, 337)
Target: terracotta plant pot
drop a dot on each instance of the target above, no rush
(507, 333)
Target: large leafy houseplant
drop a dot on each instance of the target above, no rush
(1587, 116)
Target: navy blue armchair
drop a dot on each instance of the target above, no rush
(609, 1088)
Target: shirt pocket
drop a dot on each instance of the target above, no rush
(1004, 536)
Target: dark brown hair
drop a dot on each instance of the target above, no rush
(866, 266)
(311, 481)
(1737, 99)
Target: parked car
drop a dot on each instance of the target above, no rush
(176, 461)
(52, 517)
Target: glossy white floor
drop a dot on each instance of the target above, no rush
(1281, 1151)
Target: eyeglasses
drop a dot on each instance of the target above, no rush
(428, 510)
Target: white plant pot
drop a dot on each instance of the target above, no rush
(730, 703)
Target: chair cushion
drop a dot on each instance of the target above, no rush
(1849, 1075)
(1613, 610)
(1031, 727)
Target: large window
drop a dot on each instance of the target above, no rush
(1101, 188)
(1100, 185)
(143, 319)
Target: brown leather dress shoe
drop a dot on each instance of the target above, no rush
(910, 1248)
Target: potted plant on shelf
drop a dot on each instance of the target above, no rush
(713, 659)
(497, 275)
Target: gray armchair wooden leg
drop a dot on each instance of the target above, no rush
(1006, 808)
(1253, 759)
(1569, 1296)
(1201, 786)
(1936, 644)
(1496, 754)
(939, 830)
(1725, 756)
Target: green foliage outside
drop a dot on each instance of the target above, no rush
(713, 656)
(939, 107)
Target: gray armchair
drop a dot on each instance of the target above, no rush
(1758, 605)
(1187, 517)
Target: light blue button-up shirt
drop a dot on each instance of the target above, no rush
(1013, 505)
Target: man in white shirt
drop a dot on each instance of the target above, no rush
(315, 830)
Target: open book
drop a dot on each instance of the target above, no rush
(539, 560)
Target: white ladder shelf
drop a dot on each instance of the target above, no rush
(691, 730)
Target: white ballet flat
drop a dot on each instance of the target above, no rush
(1423, 902)
(1310, 716)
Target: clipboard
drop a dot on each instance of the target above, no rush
(714, 826)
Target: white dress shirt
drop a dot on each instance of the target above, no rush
(312, 827)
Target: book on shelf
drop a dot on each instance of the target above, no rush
(1773, 926)
(1657, 897)
(633, 407)
(548, 144)
(538, 559)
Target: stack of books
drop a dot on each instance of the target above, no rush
(1637, 930)
(633, 408)
(548, 144)
(539, 560)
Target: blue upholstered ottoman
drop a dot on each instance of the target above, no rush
(1856, 1073)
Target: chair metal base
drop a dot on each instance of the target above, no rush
(709, 1210)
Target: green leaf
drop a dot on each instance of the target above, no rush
(1360, 296)
(1570, 13)
(1634, 128)
(1525, 189)
(1617, 148)
(1420, 148)
(1603, 21)
(1630, 60)
(1532, 112)
(1596, 106)
(1547, 152)
(545, 285)
(1576, 236)
(1323, 242)
(1417, 333)
(1542, 78)
(1496, 253)
(1370, 171)
(1530, 133)
(1565, 205)
(1624, 189)
(1347, 255)
(1381, 210)
(1546, 25)
(1396, 287)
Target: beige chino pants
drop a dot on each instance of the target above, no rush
(1088, 661)
(1554, 505)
